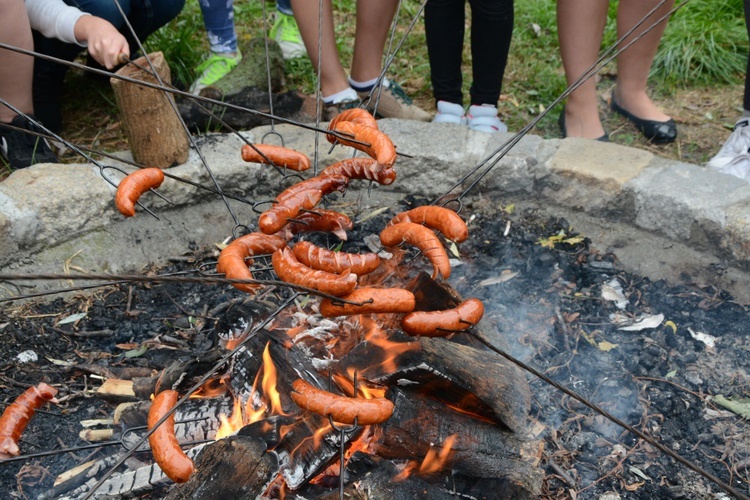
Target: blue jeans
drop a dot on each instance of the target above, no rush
(218, 18)
(284, 6)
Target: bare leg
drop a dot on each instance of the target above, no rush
(332, 74)
(634, 64)
(16, 69)
(580, 26)
(373, 22)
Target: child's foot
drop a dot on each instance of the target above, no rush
(214, 69)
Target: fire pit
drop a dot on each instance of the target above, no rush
(551, 300)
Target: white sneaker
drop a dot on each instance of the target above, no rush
(484, 118)
(449, 112)
(737, 144)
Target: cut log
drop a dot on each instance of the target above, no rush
(481, 449)
(155, 133)
(117, 391)
(235, 467)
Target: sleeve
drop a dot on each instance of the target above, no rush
(54, 19)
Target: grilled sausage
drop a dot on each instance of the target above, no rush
(18, 414)
(275, 218)
(341, 408)
(131, 188)
(355, 115)
(361, 168)
(422, 238)
(376, 144)
(335, 262)
(325, 185)
(279, 156)
(289, 269)
(443, 323)
(373, 300)
(232, 258)
(439, 218)
(167, 452)
(321, 220)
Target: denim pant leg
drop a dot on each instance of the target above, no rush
(218, 18)
(284, 6)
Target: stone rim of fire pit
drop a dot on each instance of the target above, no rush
(676, 212)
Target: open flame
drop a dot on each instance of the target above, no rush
(433, 462)
(240, 416)
(391, 350)
(212, 388)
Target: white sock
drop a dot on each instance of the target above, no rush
(364, 86)
(348, 94)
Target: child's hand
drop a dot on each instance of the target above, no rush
(105, 43)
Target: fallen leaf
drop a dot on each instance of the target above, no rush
(606, 346)
(134, 353)
(643, 322)
(670, 374)
(707, 339)
(454, 250)
(638, 472)
(671, 325)
(506, 275)
(740, 406)
(374, 213)
(612, 292)
(59, 362)
(72, 318)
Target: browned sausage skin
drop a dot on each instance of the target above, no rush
(335, 262)
(359, 116)
(289, 269)
(132, 187)
(439, 218)
(373, 142)
(422, 238)
(445, 322)
(279, 155)
(18, 414)
(232, 258)
(361, 168)
(164, 445)
(327, 221)
(373, 301)
(341, 408)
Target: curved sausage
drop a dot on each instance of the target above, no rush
(422, 238)
(18, 414)
(325, 184)
(275, 218)
(326, 221)
(439, 218)
(335, 262)
(279, 155)
(355, 115)
(289, 269)
(361, 168)
(167, 452)
(443, 323)
(341, 408)
(380, 145)
(133, 185)
(232, 258)
(374, 301)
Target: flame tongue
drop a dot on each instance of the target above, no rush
(433, 461)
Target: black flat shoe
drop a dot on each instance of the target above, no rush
(561, 122)
(656, 132)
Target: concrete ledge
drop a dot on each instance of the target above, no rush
(51, 213)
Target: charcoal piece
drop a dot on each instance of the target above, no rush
(234, 467)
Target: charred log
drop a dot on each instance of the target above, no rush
(235, 467)
(481, 449)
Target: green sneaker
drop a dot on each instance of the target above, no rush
(214, 69)
(286, 33)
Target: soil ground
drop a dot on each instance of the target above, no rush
(549, 295)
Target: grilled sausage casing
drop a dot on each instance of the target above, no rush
(435, 217)
(132, 187)
(164, 445)
(279, 155)
(341, 408)
(375, 301)
(424, 239)
(445, 322)
(335, 262)
(18, 414)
